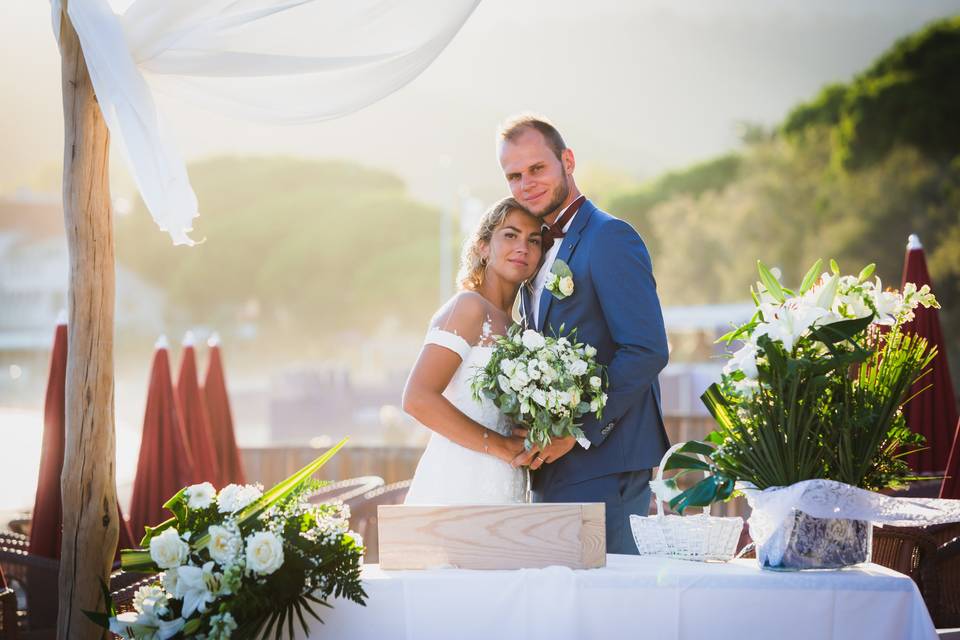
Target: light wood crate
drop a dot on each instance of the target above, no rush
(509, 536)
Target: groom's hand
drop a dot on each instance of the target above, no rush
(535, 458)
(557, 448)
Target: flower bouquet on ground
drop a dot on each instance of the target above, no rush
(544, 384)
(814, 392)
(240, 563)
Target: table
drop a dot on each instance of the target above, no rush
(633, 597)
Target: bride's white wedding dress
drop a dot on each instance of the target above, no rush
(451, 474)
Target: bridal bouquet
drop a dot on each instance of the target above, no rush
(544, 384)
(815, 390)
(240, 563)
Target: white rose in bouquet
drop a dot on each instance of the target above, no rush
(168, 550)
(577, 367)
(264, 552)
(224, 546)
(533, 340)
(234, 497)
(595, 382)
(566, 285)
(200, 496)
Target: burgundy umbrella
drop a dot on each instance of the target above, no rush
(47, 507)
(932, 413)
(165, 465)
(47, 520)
(193, 415)
(221, 418)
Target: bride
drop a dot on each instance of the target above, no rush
(467, 460)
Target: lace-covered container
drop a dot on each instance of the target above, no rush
(804, 542)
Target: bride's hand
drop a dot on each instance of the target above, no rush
(508, 447)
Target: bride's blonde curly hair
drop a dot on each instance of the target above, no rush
(472, 263)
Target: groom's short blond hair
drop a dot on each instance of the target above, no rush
(517, 124)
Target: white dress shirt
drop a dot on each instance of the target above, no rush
(548, 261)
(541, 279)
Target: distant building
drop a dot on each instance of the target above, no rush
(34, 269)
(696, 359)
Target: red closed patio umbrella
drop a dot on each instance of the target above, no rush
(47, 507)
(47, 519)
(221, 418)
(932, 413)
(193, 416)
(165, 464)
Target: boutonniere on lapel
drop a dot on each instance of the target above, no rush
(560, 280)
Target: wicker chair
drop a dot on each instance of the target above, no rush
(33, 583)
(931, 556)
(347, 491)
(33, 580)
(363, 519)
(9, 622)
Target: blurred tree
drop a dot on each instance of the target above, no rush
(316, 246)
(909, 96)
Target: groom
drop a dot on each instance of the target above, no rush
(614, 307)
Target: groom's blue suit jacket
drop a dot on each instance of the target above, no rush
(614, 307)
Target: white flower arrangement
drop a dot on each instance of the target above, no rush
(239, 541)
(559, 281)
(544, 384)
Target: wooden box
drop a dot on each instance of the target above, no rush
(509, 536)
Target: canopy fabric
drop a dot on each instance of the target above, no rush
(274, 61)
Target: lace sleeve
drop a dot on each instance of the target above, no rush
(460, 324)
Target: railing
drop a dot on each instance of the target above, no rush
(393, 463)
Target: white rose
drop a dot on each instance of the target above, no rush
(533, 370)
(519, 380)
(589, 351)
(533, 340)
(566, 285)
(264, 552)
(151, 600)
(168, 550)
(594, 405)
(234, 497)
(578, 367)
(224, 545)
(504, 383)
(595, 382)
(539, 397)
(507, 366)
(200, 496)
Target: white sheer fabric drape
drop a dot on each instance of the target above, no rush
(274, 61)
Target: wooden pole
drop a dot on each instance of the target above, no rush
(88, 482)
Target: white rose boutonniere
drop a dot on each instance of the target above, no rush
(560, 280)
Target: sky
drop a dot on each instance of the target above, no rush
(636, 87)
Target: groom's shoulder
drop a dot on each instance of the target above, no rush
(608, 226)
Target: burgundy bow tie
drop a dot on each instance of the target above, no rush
(551, 232)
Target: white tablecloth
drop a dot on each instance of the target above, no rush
(633, 597)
